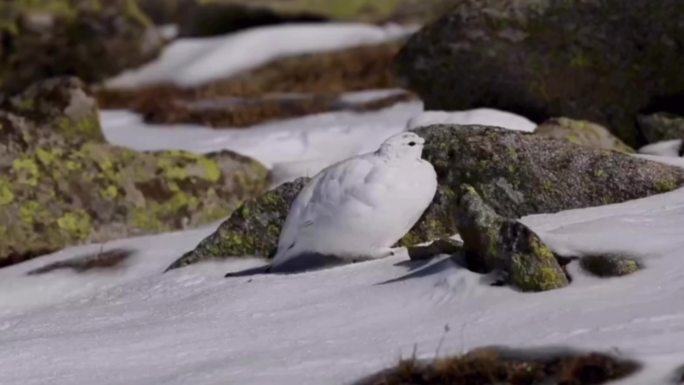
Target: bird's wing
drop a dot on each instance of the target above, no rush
(351, 184)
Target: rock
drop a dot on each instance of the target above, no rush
(492, 242)
(583, 133)
(58, 189)
(197, 18)
(61, 105)
(515, 173)
(661, 126)
(252, 230)
(92, 39)
(518, 174)
(549, 58)
(609, 265)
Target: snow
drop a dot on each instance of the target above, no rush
(143, 327)
(195, 61)
(481, 116)
(665, 148)
(291, 148)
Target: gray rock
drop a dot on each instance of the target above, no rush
(91, 39)
(253, 229)
(600, 61)
(60, 185)
(519, 174)
(661, 126)
(492, 242)
(609, 265)
(583, 133)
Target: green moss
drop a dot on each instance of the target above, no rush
(31, 211)
(48, 157)
(110, 192)
(144, 221)
(665, 185)
(212, 171)
(77, 224)
(29, 168)
(85, 128)
(6, 194)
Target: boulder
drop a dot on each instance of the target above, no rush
(60, 185)
(92, 39)
(494, 243)
(597, 60)
(661, 126)
(609, 265)
(583, 133)
(515, 173)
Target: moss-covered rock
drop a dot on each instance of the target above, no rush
(92, 39)
(61, 105)
(515, 173)
(583, 133)
(252, 229)
(609, 265)
(519, 174)
(661, 126)
(57, 188)
(594, 60)
(492, 242)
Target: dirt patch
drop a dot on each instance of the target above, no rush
(488, 366)
(285, 88)
(103, 260)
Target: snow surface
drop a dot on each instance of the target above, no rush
(665, 148)
(482, 116)
(194, 61)
(142, 327)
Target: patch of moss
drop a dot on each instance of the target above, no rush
(6, 194)
(77, 224)
(665, 185)
(28, 169)
(88, 127)
(212, 171)
(30, 211)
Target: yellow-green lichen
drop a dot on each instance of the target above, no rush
(212, 171)
(88, 127)
(110, 192)
(29, 212)
(28, 171)
(77, 224)
(666, 184)
(48, 157)
(144, 221)
(6, 194)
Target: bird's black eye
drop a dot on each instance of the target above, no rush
(412, 144)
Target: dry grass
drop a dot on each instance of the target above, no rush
(488, 367)
(316, 79)
(103, 260)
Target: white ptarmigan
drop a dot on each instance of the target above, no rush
(360, 207)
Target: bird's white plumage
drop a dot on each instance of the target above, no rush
(360, 207)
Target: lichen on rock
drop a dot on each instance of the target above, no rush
(91, 39)
(492, 242)
(583, 133)
(62, 187)
(609, 265)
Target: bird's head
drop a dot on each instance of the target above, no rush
(403, 145)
